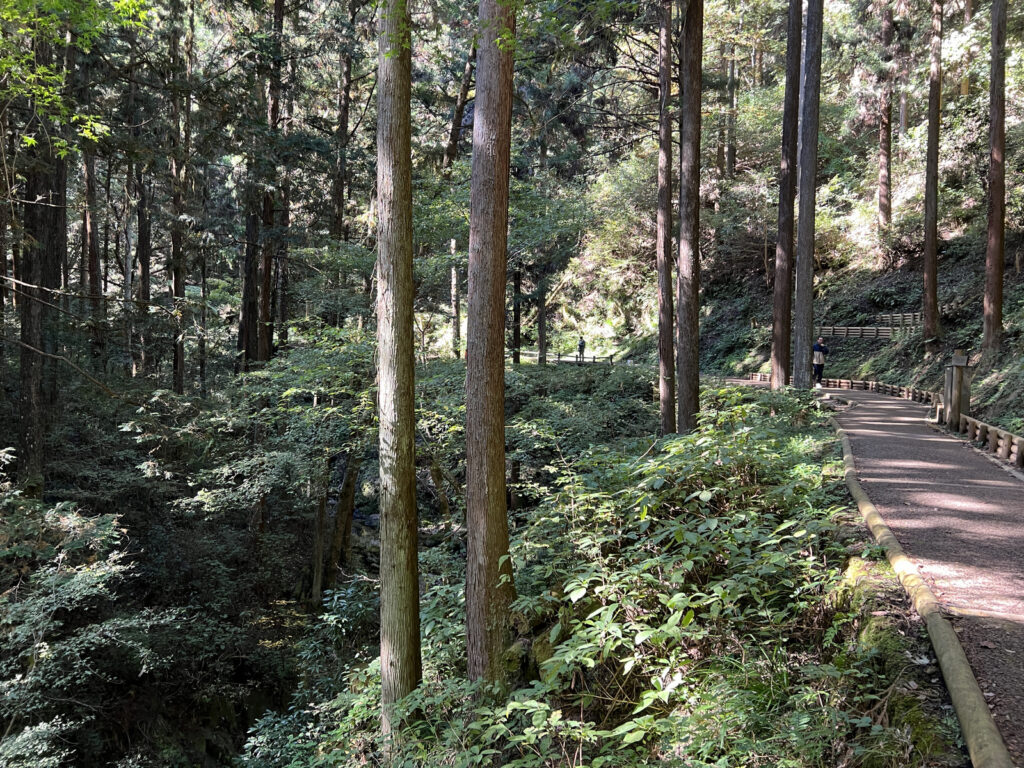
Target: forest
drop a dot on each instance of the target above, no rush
(369, 373)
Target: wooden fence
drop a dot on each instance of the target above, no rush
(559, 357)
(1006, 445)
(856, 331)
(925, 396)
(901, 320)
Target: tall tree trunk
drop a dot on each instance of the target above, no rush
(106, 229)
(340, 183)
(17, 234)
(40, 247)
(688, 267)
(341, 539)
(931, 188)
(456, 314)
(782, 309)
(340, 179)
(803, 307)
(316, 595)
(721, 117)
(178, 157)
(666, 357)
(91, 248)
(204, 289)
(144, 256)
(271, 237)
(517, 315)
(996, 183)
(489, 586)
(44, 229)
(6, 220)
(284, 222)
(399, 591)
(248, 314)
(451, 150)
(965, 81)
(885, 128)
(542, 321)
(730, 122)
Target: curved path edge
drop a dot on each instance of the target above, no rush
(984, 743)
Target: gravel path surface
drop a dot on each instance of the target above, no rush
(960, 518)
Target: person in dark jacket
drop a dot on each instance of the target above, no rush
(820, 351)
(580, 349)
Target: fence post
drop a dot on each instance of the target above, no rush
(959, 384)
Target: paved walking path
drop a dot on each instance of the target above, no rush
(960, 518)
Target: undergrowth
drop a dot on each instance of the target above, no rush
(678, 604)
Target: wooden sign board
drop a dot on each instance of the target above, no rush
(959, 359)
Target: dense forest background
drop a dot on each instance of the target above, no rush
(188, 448)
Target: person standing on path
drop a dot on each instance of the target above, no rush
(580, 348)
(820, 351)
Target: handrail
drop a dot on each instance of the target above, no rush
(569, 358)
(915, 394)
(900, 319)
(856, 331)
(1003, 443)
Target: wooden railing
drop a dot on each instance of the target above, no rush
(1004, 444)
(559, 357)
(900, 320)
(856, 331)
(915, 394)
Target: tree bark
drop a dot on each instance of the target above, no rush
(178, 154)
(271, 237)
(451, 150)
(247, 319)
(666, 356)
(517, 315)
(284, 222)
(319, 534)
(144, 256)
(399, 601)
(204, 289)
(42, 223)
(489, 586)
(6, 220)
(931, 188)
(456, 314)
(885, 128)
(688, 267)
(730, 121)
(542, 322)
(782, 312)
(340, 180)
(803, 309)
(965, 81)
(996, 240)
(91, 250)
(341, 539)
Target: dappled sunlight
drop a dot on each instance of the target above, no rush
(958, 516)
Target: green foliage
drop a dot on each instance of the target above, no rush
(675, 604)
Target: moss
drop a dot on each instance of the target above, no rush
(921, 733)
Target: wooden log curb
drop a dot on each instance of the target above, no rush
(999, 442)
(984, 743)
